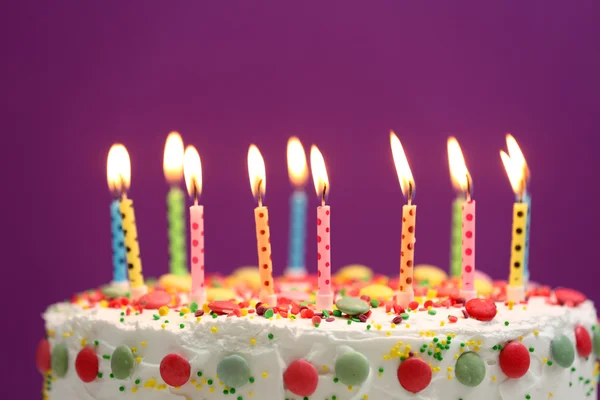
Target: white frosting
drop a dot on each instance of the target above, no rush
(247, 336)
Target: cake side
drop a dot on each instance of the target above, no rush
(436, 351)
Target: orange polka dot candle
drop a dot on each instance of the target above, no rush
(119, 173)
(405, 292)
(515, 290)
(258, 184)
(321, 180)
(460, 175)
(192, 169)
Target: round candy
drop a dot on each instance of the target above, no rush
(233, 371)
(563, 351)
(113, 291)
(569, 296)
(583, 341)
(354, 272)
(470, 369)
(352, 305)
(597, 340)
(301, 378)
(175, 370)
(352, 368)
(42, 356)
(430, 274)
(171, 282)
(223, 306)
(60, 360)
(219, 293)
(377, 292)
(414, 375)
(514, 360)
(122, 362)
(481, 309)
(155, 300)
(86, 364)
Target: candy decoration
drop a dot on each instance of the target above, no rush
(468, 254)
(86, 365)
(514, 360)
(583, 341)
(470, 369)
(569, 297)
(223, 306)
(60, 360)
(122, 362)
(352, 368)
(414, 375)
(233, 371)
(481, 309)
(155, 300)
(301, 378)
(563, 351)
(175, 370)
(352, 305)
(42, 356)
(597, 340)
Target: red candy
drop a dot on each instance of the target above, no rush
(569, 297)
(175, 370)
(514, 360)
(481, 310)
(414, 375)
(316, 319)
(413, 305)
(583, 341)
(301, 378)
(153, 300)
(86, 365)
(452, 319)
(223, 306)
(42, 356)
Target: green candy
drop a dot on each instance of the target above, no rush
(233, 371)
(470, 369)
(352, 368)
(122, 362)
(60, 360)
(563, 351)
(352, 305)
(596, 341)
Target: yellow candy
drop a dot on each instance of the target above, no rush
(249, 275)
(176, 283)
(220, 294)
(429, 273)
(377, 292)
(483, 287)
(164, 310)
(354, 272)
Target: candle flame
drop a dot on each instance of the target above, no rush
(173, 158)
(516, 155)
(458, 168)
(256, 171)
(407, 183)
(319, 172)
(118, 169)
(192, 171)
(296, 161)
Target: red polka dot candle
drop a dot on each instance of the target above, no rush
(460, 175)
(192, 169)
(516, 171)
(256, 171)
(405, 292)
(321, 180)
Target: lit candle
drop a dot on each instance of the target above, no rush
(405, 292)
(258, 183)
(193, 180)
(173, 169)
(460, 174)
(321, 180)
(298, 173)
(120, 174)
(118, 238)
(516, 155)
(516, 171)
(456, 234)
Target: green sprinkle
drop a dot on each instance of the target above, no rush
(251, 379)
(181, 314)
(122, 314)
(527, 396)
(402, 358)
(449, 338)
(240, 398)
(531, 349)
(96, 343)
(316, 325)
(380, 370)
(106, 356)
(368, 327)
(432, 312)
(349, 321)
(181, 326)
(122, 388)
(156, 317)
(404, 315)
(495, 348)
(166, 321)
(199, 373)
(269, 313)
(435, 340)
(122, 319)
(100, 375)
(462, 345)
(137, 381)
(232, 390)
(270, 336)
(225, 391)
(326, 314)
(549, 363)
(505, 323)
(337, 313)
(422, 350)
(430, 352)
(573, 369)
(374, 303)
(194, 307)
(335, 379)
(209, 381)
(112, 375)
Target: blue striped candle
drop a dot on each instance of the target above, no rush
(296, 260)
(118, 244)
(527, 200)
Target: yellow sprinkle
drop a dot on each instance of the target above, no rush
(214, 329)
(198, 386)
(392, 325)
(365, 397)
(521, 338)
(193, 381)
(421, 333)
(449, 369)
(212, 389)
(431, 294)
(185, 317)
(185, 310)
(264, 374)
(151, 383)
(429, 308)
(133, 349)
(524, 307)
(388, 333)
(476, 348)
(252, 341)
(251, 393)
(83, 342)
(479, 343)
(511, 303)
(335, 307)
(66, 335)
(349, 387)
(550, 394)
(386, 357)
(378, 327)
(462, 350)
(536, 333)
(442, 323)
(456, 356)
(103, 303)
(198, 319)
(278, 317)
(544, 360)
(144, 344)
(164, 310)
(252, 316)
(133, 389)
(244, 312)
(252, 303)
(407, 326)
(138, 359)
(163, 326)
(325, 368)
(444, 341)
(449, 376)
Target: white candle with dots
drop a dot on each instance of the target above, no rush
(460, 175)
(405, 292)
(321, 181)
(192, 169)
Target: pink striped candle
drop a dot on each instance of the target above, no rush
(468, 245)
(197, 252)
(324, 253)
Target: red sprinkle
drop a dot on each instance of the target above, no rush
(398, 309)
(316, 319)
(413, 305)
(428, 303)
(397, 319)
(452, 319)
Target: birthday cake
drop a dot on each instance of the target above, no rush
(366, 347)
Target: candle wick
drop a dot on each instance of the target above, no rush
(468, 194)
(120, 190)
(324, 194)
(259, 193)
(195, 192)
(410, 192)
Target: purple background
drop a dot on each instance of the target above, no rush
(77, 77)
